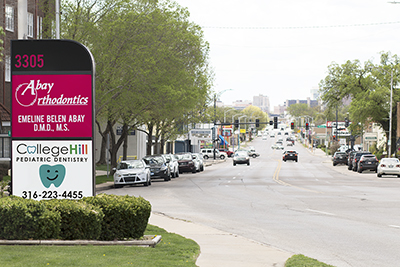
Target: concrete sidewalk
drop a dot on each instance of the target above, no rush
(219, 248)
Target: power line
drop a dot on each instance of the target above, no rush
(301, 27)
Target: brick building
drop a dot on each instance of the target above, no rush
(20, 19)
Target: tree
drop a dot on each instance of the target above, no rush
(368, 87)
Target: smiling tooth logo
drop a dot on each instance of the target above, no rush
(31, 149)
(52, 174)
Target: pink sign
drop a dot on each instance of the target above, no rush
(52, 106)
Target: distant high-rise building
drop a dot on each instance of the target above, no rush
(262, 102)
(241, 104)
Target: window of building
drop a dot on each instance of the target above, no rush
(8, 69)
(39, 26)
(9, 18)
(30, 25)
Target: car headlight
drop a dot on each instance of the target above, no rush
(163, 167)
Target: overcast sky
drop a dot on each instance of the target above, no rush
(282, 48)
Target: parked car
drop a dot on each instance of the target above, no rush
(350, 159)
(367, 162)
(199, 163)
(227, 151)
(388, 166)
(130, 172)
(241, 157)
(339, 158)
(158, 167)
(173, 164)
(357, 157)
(290, 155)
(186, 162)
(209, 153)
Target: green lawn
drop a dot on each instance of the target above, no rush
(303, 261)
(173, 250)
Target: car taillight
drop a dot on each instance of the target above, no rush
(398, 165)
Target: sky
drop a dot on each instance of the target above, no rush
(282, 48)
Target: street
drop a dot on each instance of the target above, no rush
(309, 207)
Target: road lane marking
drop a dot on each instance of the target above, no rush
(321, 212)
(395, 226)
(275, 177)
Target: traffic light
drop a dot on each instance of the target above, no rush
(292, 125)
(275, 122)
(237, 123)
(271, 122)
(346, 122)
(257, 123)
(307, 126)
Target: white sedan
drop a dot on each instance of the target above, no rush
(388, 166)
(130, 172)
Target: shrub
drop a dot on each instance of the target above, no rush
(124, 216)
(27, 219)
(79, 220)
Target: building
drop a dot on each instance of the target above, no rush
(262, 102)
(241, 104)
(310, 103)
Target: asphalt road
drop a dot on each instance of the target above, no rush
(337, 216)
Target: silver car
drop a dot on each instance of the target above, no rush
(197, 157)
(130, 172)
(173, 164)
(388, 166)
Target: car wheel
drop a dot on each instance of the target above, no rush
(205, 157)
(254, 156)
(118, 185)
(349, 168)
(177, 174)
(147, 183)
(380, 174)
(248, 163)
(194, 170)
(398, 175)
(334, 164)
(295, 160)
(234, 163)
(173, 175)
(222, 157)
(202, 168)
(359, 170)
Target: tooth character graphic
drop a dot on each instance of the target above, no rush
(52, 174)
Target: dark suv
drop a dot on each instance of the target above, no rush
(368, 162)
(357, 157)
(339, 158)
(350, 159)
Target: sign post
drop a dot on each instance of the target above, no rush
(52, 119)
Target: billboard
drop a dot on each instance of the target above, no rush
(52, 120)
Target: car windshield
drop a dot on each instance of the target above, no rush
(241, 154)
(154, 160)
(130, 165)
(184, 157)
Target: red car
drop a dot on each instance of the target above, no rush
(230, 153)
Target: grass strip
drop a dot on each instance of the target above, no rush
(303, 261)
(173, 250)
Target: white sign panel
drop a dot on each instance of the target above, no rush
(52, 169)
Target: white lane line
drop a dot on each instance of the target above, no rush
(321, 212)
(395, 226)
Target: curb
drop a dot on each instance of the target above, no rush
(148, 242)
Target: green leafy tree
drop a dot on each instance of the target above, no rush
(368, 87)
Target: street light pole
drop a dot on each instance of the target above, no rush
(239, 130)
